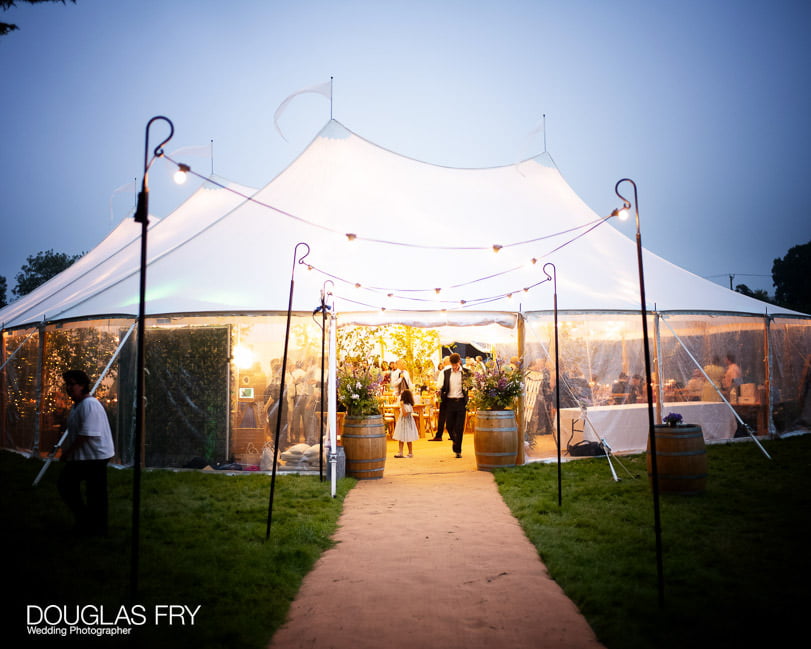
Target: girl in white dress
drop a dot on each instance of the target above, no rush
(406, 429)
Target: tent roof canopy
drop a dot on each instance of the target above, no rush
(382, 231)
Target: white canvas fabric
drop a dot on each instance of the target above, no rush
(419, 227)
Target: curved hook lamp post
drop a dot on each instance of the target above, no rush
(554, 278)
(648, 381)
(296, 260)
(142, 217)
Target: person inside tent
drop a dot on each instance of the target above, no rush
(715, 373)
(454, 392)
(619, 389)
(732, 377)
(636, 392)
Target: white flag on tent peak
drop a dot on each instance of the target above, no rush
(324, 89)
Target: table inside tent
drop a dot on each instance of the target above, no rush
(625, 427)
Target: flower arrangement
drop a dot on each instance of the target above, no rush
(497, 387)
(672, 419)
(359, 391)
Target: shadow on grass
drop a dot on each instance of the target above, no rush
(202, 544)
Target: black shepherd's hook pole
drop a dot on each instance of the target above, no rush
(649, 383)
(296, 260)
(554, 279)
(323, 308)
(142, 217)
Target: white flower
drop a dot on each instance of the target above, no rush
(354, 396)
(358, 385)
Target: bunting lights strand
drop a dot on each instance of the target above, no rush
(386, 294)
(350, 236)
(450, 305)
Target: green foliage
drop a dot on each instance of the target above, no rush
(417, 347)
(358, 344)
(6, 28)
(758, 294)
(39, 268)
(735, 573)
(497, 387)
(187, 395)
(202, 542)
(359, 390)
(84, 348)
(790, 276)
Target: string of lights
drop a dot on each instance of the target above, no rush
(350, 236)
(385, 294)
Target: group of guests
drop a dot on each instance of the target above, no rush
(727, 378)
(301, 421)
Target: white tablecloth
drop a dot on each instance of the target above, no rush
(625, 427)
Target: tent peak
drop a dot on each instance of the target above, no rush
(335, 130)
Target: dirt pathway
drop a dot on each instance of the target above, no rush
(430, 556)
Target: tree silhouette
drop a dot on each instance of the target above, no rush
(39, 268)
(790, 276)
(5, 28)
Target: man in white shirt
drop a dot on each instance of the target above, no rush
(400, 378)
(86, 450)
(454, 395)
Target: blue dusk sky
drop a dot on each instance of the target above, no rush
(704, 103)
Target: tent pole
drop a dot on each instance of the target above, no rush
(767, 381)
(39, 381)
(323, 308)
(521, 432)
(554, 279)
(660, 374)
(332, 397)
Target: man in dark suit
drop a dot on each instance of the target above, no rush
(454, 396)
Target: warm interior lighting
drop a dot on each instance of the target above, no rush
(244, 357)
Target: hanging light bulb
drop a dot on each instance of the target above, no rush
(182, 173)
(622, 213)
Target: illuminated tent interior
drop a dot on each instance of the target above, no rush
(393, 241)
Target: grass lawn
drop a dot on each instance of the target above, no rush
(202, 543)
(736, 572)
(735, 569)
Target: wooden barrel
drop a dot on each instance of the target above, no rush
(681, 459)
(495, 439)
(364, 442)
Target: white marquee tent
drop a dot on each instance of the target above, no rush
(402, 241)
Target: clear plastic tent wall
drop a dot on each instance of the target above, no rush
(212, 385)
(213, 380)
(34, 405)
(596, 349)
